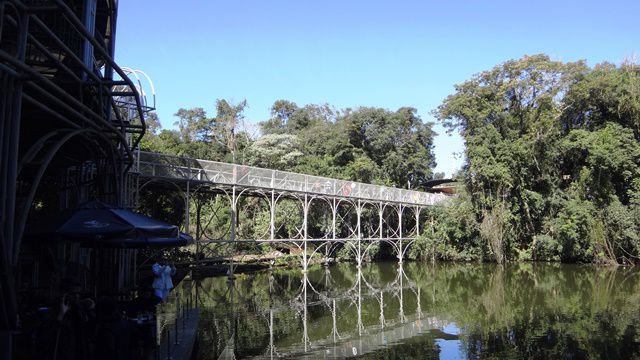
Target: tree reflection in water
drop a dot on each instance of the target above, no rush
(422, 311)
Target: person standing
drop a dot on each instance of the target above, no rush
(162, 282)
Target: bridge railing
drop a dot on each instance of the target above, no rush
(174, 167)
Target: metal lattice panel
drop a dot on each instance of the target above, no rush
(166, 166)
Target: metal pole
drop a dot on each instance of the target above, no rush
(10, 139)
(333, 223)
(187, 216)
(360, 326)
(335, 322)
(169, 345)
(359, 233)
(177, 317)
(418, 209)
(381, 212)
(400, 249)
(271, 331)
(272, 221)
(233, 226)
(305, 334)
(381, 309)
(176, 330)
(401, 271)
(305, 210)
(198, 219)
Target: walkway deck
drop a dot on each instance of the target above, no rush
(195, 170)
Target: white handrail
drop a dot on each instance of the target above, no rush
(161, 165)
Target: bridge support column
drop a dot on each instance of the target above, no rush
(401, 274)
(198, 229)
(305, 335)
(359, 234)
(381, 309)
(272, 220)
(417, 211)
(360, 324)
(334, 328)
(334, 210)
(305, 216)
(230, 274)
(400, 248)
(187, 215)
(380, 213)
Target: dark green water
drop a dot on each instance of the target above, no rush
(423, 311)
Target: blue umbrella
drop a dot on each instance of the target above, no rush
(98, 224)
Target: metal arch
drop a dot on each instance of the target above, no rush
(247, 190)
(353, 232)
(36, 147)
(204, 185)
(36, 183)
(322, 200)
(260, 195)
(300, 202)
(394, 232)
(325, 244)
(250, 190)
(320, 197)
(374, 231)
(184, 194)
(418, 211)
(412, 230)
(353, 213)
(224, 191)
(406, 248)
(143, 96)
(203, 229)
(162, 181)
(370, 246)
(354, 249)
(39, 145)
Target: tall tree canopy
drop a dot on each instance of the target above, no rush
(554, 147)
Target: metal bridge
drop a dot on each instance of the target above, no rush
(352, 214)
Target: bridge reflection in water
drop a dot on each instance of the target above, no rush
(418, 311)
(329, 312)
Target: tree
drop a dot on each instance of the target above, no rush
(224, 126)
(397, 142)
(275, 151)
(281, 112)
(192, 124)
(555, 146)
(150, 141)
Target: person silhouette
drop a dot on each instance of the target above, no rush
(162, 282)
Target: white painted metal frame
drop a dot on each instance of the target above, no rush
(346, 201)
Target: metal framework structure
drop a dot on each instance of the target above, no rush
(358, 216)
(70, 121)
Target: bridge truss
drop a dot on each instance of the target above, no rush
(354, 215)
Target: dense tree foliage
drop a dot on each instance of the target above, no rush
(553, 161)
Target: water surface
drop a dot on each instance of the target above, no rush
(422, 311)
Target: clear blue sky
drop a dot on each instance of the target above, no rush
(355, 53)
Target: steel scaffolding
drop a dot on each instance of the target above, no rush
(71, 118)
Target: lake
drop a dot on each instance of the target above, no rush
(422, 311)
